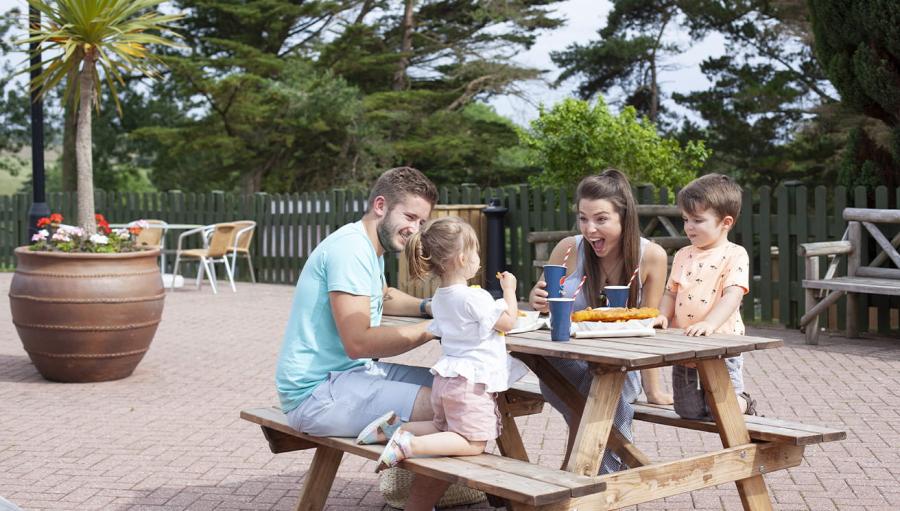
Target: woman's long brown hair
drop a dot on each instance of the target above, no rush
(613, 186)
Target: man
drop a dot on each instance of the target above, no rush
(327, 382)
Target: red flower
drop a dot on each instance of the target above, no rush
(135, 230)
(56, 218)
(43, 222)
(102, 224)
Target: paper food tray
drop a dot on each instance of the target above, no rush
(630, 328)
(531, 321)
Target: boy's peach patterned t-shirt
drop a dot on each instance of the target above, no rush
(699, 279)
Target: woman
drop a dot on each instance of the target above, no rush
(607, 252)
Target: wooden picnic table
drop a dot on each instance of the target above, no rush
(753, 446)
(741, 460)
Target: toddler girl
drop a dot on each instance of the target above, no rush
(475, 365)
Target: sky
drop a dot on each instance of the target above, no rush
(584, 19)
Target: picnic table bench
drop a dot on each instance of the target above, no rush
(508, 478)
(753, 446)
(822, 292)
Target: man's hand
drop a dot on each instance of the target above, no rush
(700, 328)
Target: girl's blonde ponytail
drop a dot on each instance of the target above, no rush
(417, 258)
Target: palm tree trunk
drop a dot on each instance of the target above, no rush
(83, 151)
(69, 171)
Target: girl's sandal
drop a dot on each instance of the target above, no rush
(751, 404)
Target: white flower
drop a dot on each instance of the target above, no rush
(40, 235)
(99, 239)
(142, 224)
(61, 235)
(121, 233)
(70, 230)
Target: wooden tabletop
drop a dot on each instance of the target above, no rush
(665, 348)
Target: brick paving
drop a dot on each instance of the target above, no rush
(169, 437)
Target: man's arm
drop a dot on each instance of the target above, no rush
(360, 340)
(398, 303)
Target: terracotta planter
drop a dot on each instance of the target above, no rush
(86, 317)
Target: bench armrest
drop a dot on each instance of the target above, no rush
(824, 248)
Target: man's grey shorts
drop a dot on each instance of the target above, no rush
(349, 400)
(690, 399)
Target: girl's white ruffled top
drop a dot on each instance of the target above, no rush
(464, 319)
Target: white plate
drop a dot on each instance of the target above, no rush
(630, 328)
(532, 320)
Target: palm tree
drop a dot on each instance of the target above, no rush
(91, 36)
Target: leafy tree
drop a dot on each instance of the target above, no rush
(629, 54)
(768, 93)
(278, 106)
(14, 103)
(858, 44)
(285, 134)
(94, 35)
(573, 140)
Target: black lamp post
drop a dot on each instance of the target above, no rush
(39, 206)
(496, 246)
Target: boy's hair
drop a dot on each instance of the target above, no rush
(398, 183)
(434, 249)
(712, 191)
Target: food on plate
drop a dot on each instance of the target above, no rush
(522, 314)
(611, 314)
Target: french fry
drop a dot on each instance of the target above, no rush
(614, 314)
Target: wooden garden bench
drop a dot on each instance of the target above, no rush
(866, 279)
(517, 481)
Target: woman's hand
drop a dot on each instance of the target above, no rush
(538, 297)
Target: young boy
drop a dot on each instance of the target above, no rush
(708, 280)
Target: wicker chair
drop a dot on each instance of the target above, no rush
(154, 236)
(217, 240)
(240, 245)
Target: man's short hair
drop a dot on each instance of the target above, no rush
(398, 183)
(712, 191)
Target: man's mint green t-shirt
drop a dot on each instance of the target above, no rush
(345, 261)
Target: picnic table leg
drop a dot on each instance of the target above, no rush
(628, 452)
(509, 442)
(725, 410)
(596, 422)
(318, 482)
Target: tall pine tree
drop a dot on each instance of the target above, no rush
(858, 43)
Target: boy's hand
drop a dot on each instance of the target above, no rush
(700, 328)
(508, 282)
(661, 321)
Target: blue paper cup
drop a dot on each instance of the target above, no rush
(560, 318)
(616, 296)
(553, 273)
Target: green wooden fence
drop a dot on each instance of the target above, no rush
(772, 224)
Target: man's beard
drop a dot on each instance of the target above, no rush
(385, 231)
